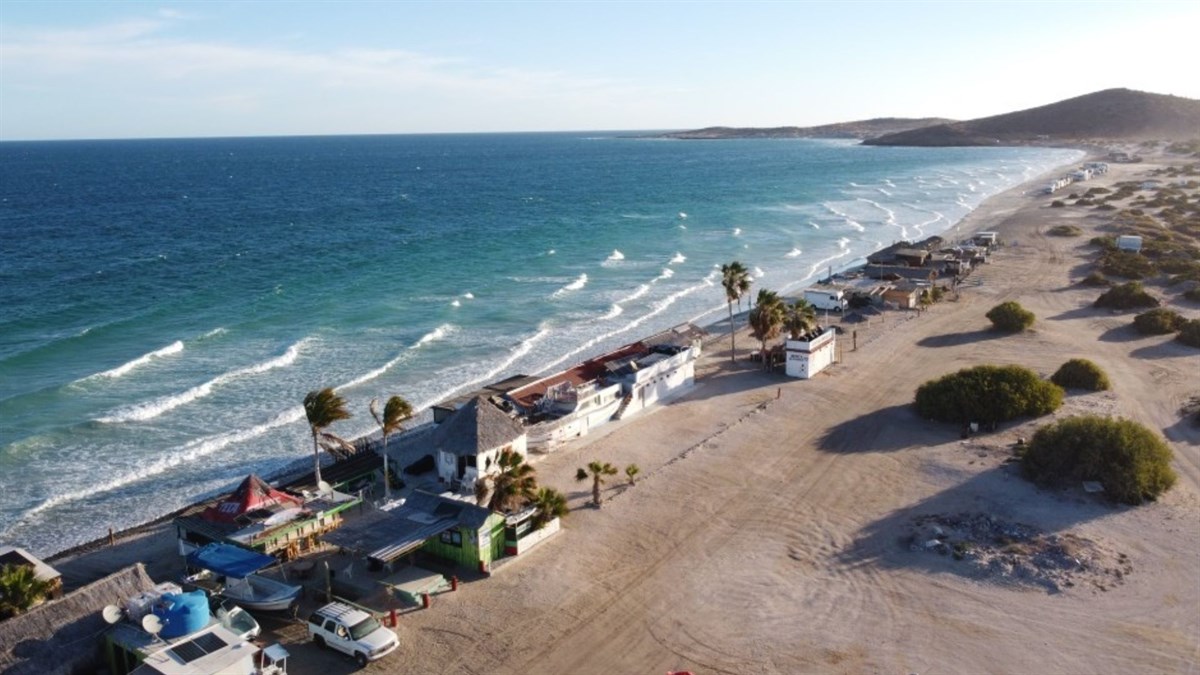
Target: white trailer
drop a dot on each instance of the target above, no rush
(831, 299)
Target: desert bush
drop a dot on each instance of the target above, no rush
(1126, 296)
(1095, 279)
(1193, 294)
(1064, 231)
(1057, 204)
(1158, 321)
(1106, 207)
(1108, 242)
(1189, 333)
(987, 394)
(1130, 461)
(1126, 264)
(1010, 317)
(1086, 201)
(1081, 374)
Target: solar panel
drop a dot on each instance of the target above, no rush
(202, 646)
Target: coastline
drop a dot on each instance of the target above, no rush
(717, 329)
(772, 507)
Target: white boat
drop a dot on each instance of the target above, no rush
(229, 572)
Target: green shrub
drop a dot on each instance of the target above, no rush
(1189, 333)
(987, 394)
(1108, 243)
(1010, 317)
(1095, 279)
(1126, 296)
(1130, 461)
(1158, 321)
(1127, 264)
(1081, 374)
(1064, 231)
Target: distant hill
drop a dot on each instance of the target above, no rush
(1112, 114)
(861, 129)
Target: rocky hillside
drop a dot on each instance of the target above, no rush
(861, 129)
(1112, 114)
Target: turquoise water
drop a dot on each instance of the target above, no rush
(168, 303)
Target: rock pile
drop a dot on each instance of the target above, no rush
(1007, 552)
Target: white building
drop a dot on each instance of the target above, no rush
(622, 382)
(811, 354)
(468, 442)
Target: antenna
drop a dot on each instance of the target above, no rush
(152, 624)
(112, 614)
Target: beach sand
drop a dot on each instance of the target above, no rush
(767, 533)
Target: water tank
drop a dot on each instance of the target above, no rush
(182, 613)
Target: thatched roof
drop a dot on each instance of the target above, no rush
(64, 636)
(478, 426)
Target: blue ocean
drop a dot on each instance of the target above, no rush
(166, 304)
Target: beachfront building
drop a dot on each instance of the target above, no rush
(903, 295)
(573, 402)
(450, 530)
(61, 636)
(468, 443)
(261, 518)
(813, 352)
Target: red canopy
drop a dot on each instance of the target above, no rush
(254, 493)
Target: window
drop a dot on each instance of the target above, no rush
(452, 537)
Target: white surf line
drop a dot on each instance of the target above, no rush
(187, 453)
(659, 308)
(123, 369)
(520, 350)
(579, 283)
(439, 333)
(152, 409)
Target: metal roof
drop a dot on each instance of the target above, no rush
(387, 535)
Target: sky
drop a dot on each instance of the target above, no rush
(117, 69)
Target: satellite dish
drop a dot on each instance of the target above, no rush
(152, 624)
(111, 614)
(323, 487)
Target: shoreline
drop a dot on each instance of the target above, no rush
(766, 501)
(297, 467)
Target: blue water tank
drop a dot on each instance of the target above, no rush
(182, 613)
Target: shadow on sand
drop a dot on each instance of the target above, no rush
(957, 339)
(884, 430)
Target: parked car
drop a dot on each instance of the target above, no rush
(351, 631)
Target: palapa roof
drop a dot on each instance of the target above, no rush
(63, 636)
(476, 427)
(252, 494)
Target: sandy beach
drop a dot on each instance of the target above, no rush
(767, 533)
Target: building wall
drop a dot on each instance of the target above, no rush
(661, 380)
(462, 546)
(805, 359)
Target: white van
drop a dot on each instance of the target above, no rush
(351, 631)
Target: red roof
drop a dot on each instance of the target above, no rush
(254, 493)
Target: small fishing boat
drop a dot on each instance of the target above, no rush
(229, 572)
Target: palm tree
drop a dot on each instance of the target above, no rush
(596, 471)
(395, 412)
(323, 408)
(735, 278)
(550, 504)
(20, 589)
(631, 472)
(515, 485)
(800, 318)
(766, 319)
